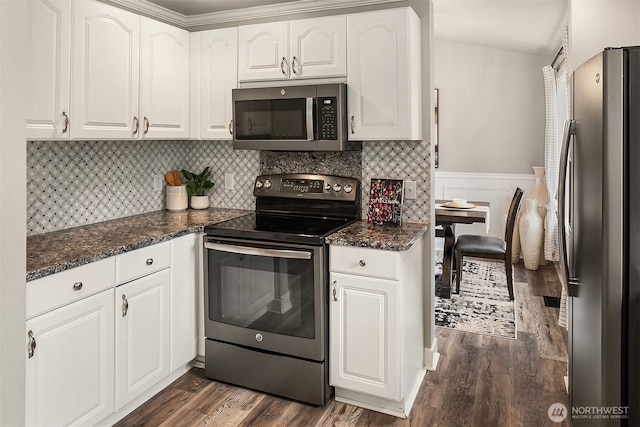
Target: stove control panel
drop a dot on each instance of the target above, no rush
(306, 186)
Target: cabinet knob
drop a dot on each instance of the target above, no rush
(149, 261)
(362, 263)
(77, 286)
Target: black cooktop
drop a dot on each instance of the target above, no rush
(278, 228)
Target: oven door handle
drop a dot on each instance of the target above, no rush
(277, 253)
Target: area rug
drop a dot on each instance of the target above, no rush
(483, 305)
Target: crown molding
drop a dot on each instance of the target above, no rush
(152, 10)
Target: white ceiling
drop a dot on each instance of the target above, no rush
(529, 26)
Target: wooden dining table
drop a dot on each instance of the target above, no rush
(448, 218)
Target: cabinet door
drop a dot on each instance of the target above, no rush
(263, 51)
(185, 279)
(383, 75)
(142, 335)
(105, 67)
(318, 47)
(218, 76)
(48, 58)
(365, 336)
(164, 81)
(70, 377)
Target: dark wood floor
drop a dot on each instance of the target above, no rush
(480, 381)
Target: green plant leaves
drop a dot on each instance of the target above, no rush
(198, 184)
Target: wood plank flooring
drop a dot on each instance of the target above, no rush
(480, 381)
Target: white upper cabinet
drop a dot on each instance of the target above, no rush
(263, 51)
(318, 47)
(308, 48)
(383, 75)
(106, 59)
(218, 75)
(48, 58)
(164, 81)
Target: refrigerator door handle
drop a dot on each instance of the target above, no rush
(572, 282)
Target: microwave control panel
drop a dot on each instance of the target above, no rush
(328, 118)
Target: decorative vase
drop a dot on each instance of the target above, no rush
(199, 202)
(541, 195)
(531, 234)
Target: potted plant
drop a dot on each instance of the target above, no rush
(197, 186)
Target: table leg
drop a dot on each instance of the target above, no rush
(444, 290)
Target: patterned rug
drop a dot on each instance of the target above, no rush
(483, 304)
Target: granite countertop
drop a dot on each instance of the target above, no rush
(390, 238)
(61, 250)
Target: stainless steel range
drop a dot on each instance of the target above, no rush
(267, 286)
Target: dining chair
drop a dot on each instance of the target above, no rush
(490, 247)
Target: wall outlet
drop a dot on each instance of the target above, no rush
(410, 190)
(158, 182)
(229, 181)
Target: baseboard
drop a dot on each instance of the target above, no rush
(431, 356)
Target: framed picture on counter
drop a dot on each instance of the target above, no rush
(385, 201)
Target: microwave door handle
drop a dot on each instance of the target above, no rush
(243, 250)
(310, 119)
(569, 131)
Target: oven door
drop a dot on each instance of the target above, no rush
(266, 296)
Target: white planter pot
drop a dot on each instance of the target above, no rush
(199, 202)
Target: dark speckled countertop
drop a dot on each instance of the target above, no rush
(389, 238)
(57, 251)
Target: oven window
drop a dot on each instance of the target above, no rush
(271, 119)
(264, 293)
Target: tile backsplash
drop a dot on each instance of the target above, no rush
(73, 183)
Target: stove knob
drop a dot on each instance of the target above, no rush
(258, 184)
(327, 187)
(267, 184)
(347, 188)
(337, 187)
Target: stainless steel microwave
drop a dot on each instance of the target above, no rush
(292, 118)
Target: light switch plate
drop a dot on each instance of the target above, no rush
(410, 190)
(229, 181)
(158, 182)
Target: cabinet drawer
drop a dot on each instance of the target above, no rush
(143, 261)
(364, 261)
(68, 286)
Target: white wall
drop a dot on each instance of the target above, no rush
(597, 24)
(12, 212)
(491, 108)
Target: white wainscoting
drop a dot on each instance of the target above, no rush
(497, 189)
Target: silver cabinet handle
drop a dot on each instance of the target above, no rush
(231, 126)
(125, 305)
(353, 124)
(335, 294)
(32, 344)
(136, 125)
(362, 263)
(282, 62)
(293, 65)
(149, 261)
(146, 125)
(77, 286)
(66, 122)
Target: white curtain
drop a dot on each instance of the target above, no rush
(550, 164)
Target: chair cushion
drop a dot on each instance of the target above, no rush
(470, 243)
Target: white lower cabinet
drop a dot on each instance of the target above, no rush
(70, 365)
(376, 327)
(142, 335)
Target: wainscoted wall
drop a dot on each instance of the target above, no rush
(497, 189)
(73, 183)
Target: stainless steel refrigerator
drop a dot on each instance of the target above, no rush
(599, 217)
